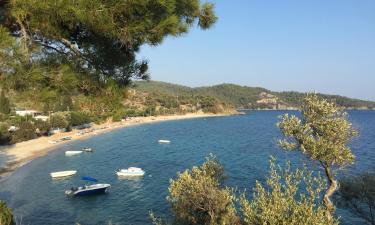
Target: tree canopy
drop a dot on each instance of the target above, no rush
(6, 215)
(322, 134)
(98, 37)
(198, 196)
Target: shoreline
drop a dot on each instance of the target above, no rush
(22, 153)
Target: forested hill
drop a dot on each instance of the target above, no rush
(246, 97)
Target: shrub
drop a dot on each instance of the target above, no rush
(79, 118)
(25, 132)
(4, 134)
(43, 127)
(290, 197)
(59, 120)
(196, 196)
(118, 115)
(6, 215)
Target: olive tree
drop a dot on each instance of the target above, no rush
(290, 197)
(322, 134)
(196, 196)
(6, 215)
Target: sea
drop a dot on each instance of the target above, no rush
(242, 143)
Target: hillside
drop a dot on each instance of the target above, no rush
(244, 97)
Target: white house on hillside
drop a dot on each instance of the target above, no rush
(40, 117)
(33, 113)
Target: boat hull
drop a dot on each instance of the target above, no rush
(89, 190)
(164, 141)
(63, 174)
(70, 153)
(92, 192)
(122, 174)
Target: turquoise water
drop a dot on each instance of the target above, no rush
(242, 143)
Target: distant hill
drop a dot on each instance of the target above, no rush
(246, 97)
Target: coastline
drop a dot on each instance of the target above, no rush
(22, 153)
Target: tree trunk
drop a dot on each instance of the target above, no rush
(24, 36)
(329, 192)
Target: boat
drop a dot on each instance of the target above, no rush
(69, 153)
(87, 149)
(63, 173)
(67, 138)
(131, 172)
(164, 141)
(92, 189)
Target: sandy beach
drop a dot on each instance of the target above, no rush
(21, 153)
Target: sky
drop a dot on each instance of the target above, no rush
(300, 45)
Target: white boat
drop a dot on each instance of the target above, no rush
(69, 153)
(67, 138)
(93, 189)
(130, 172)
(88, 189)
(164, 141)
(87, 149)
(63, 173)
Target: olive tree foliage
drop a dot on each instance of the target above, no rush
(358, 194)
(6, 215)
(289, 197)
(196, 196)
(322, 134)
(100, 37)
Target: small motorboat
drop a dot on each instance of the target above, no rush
(164, 141)
(92, 189)
(130, 172)
(87, 149)
(63, 173)
(70, 153)
(67, 138)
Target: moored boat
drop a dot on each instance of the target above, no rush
(164, 141)
(63, 173)
(87, 149)
(92, 189)
(88, 190)
(131, 172)
(69, 153)
(67, 138)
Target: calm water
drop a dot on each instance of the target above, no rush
(242, 143)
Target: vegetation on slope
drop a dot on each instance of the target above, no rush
(248, 97)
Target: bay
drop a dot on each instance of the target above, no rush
(242, 143)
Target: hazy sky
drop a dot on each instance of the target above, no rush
(301, 45)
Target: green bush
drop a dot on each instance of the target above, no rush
(118, 115)
(43, 127)
(25, 132)
(58, 120)
(6, 215)
(4, 134)
(79, 118)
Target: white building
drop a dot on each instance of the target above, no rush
(40, 117)
(33, 113)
